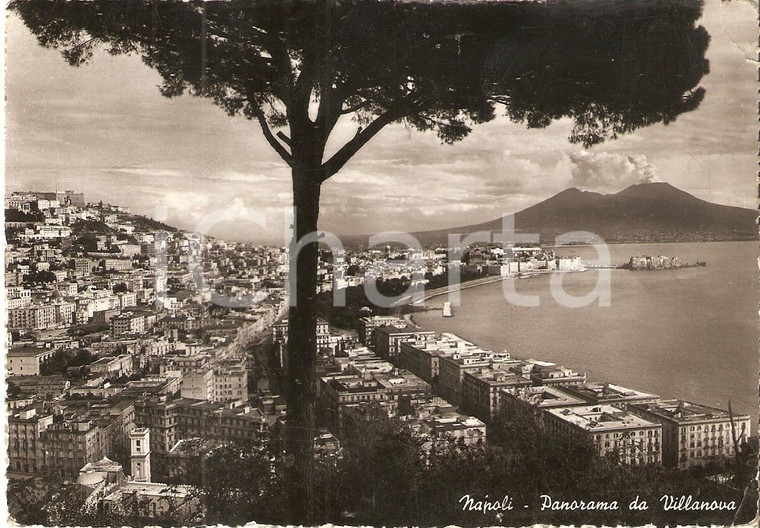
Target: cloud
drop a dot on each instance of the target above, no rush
(148, 172)
(604, 171)
(144, 151)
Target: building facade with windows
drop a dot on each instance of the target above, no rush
(694, 434)
(612, 431)
(26, 361)
(25, 449)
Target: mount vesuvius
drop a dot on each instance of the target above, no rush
(646, 212)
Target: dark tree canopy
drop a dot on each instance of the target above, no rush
(611, 66)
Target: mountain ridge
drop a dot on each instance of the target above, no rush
(645, 212)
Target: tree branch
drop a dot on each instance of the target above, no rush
(432, 121)
(352, 109)
(285, 139)
(276, 145)
(346, 152)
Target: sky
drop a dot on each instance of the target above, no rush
(105, 130)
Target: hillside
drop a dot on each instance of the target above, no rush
(147, 224)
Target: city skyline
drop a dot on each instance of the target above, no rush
(132, 146)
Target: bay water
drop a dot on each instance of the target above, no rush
(689, 333)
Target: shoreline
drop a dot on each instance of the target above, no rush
(437, 292)
(569, 246)
(459, 287)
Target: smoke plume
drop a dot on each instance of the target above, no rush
(606, 172)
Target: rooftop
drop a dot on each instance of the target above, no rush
(444, 425)
(354, 384)
(600, 418)
(401, 379)
(192, 447)
(496, 376)
(607, 393)
(27, 351)
(104, 464)
(543, 396)
(685, 411)
(151, 489)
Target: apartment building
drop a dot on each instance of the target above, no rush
(694, 434)
(387, 339)
(25, 449)
(198, 384)
(481, 389)
(367, 326)
(612, 431)
(26, 361)
(32, 318)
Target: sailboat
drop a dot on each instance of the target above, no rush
(447, 309)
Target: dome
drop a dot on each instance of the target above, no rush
(91, 479)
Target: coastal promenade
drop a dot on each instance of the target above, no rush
(437, 292)
(446, 289)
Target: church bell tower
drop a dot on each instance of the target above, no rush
(139, 440)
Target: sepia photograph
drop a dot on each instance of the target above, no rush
(381, 263)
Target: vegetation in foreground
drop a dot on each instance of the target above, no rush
(385, 474)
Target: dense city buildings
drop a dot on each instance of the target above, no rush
(110, 334)
(327, 342)
(125, 371)
(422, 355)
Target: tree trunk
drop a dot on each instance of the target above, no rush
(302, 347)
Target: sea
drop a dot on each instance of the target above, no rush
(689, 333)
